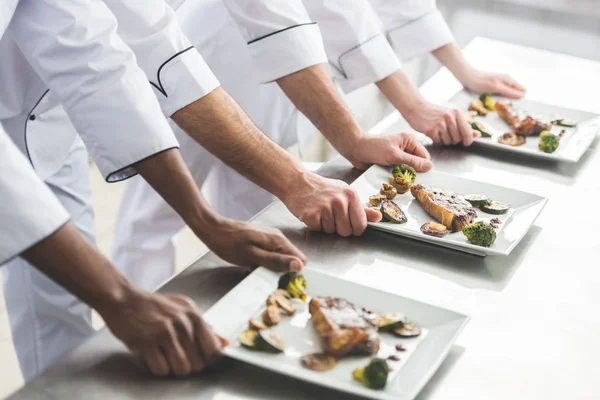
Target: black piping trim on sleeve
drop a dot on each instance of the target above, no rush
(108, 180)
(160, 87)
(341, 69)
(25, 128)
(279, 31)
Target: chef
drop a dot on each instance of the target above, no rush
(68, 53)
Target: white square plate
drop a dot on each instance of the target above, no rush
(572, 146)
(423, 355)
(525, 207)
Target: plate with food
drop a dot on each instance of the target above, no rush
(447, 210)
(527, 127)
(335, 333)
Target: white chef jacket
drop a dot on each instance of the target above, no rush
(415, 27)
(29, 212)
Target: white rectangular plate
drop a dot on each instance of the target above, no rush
(525, 207)
(423, 355)
(572, 146)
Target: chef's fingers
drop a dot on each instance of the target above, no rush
(412, 145)
(358, 217)
(452, 127)
(313, 222)
(444, 134)
(418, 163)
(328, 222)
(373, 215)
(278, 242)
(185, 331)
(466, 132)
(434, 134)
(276, 261)
(156, 361)
(511, 82)
(211, 345)
(340, 214)
(174, 353)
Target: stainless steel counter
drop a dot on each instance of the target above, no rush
(535, 328)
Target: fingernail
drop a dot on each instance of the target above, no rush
(296, 265)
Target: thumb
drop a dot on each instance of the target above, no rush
(418, 163)
(373, 215)
(277, 262)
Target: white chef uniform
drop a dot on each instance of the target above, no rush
(73, 47)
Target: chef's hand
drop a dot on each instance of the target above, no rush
(401, 148)
(243, 244)
(166, 331)
(484, 82)
(329, 205)
(441, 124)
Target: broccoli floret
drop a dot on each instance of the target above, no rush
(295, 284)
(548, 142)
(374, 375)
(405, 172)
(487, 101)
(480, 233)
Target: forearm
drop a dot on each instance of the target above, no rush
(401, 92)
(73, 262)
(218, 124)
(169, 176)
(452, 58)
(312, 91)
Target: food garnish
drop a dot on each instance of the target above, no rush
(477, 200)
(405, 171)
(376, 199)
(269, 342)
(549, 142)
(286, 305)
(481, 129)
(448, 208)
(400, 183)
(408, 329)
(435, 229)
(248, 339)
(294, 284)
(257, 325)
(522, 125)
(564, 122)
(477, 106)
(319, 362)
(388, 191)
(271, 316)
(374, 375)
(392, 212)
(480, 233)
(512, 139)
(387, 322)
(495, 207)
(487, 101)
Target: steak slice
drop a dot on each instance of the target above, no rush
(448, 208)
(522, 125)
(342, 328)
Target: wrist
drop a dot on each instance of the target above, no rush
(204, 223)
(112, 299)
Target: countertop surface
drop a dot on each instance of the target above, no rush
(535, 327)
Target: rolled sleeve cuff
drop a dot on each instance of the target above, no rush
(421, 36)
(287, 51)
(366, 63)
(183, 79)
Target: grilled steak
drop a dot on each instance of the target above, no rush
(522, 125)
(342, 328)
(448, 208)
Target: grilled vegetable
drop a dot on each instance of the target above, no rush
(319, 362)
(480, 233)
(495, 207)
(269, 342)
(477, 106)
(487, 101)
(257, 325)
(408, 329)
(481, 129)
(435, 229)
(271, 316)
(564, 122)
(470, 116)
(294, 284)
(400, 183)
(405, 171)
(392, 212)
(512, 139)
(376, 199)
(387, 322)
(286, 305)
(477, 200)
(248, 339)
(374, 375)
(388, 191)
(549, 142)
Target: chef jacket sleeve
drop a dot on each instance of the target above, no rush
(74, 48)
(29, 211)
(415, 27)
(281, 36)
(355, 41)
(175, 69)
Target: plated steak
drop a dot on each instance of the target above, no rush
(448, 208)
(342, 328)
(522, 125)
